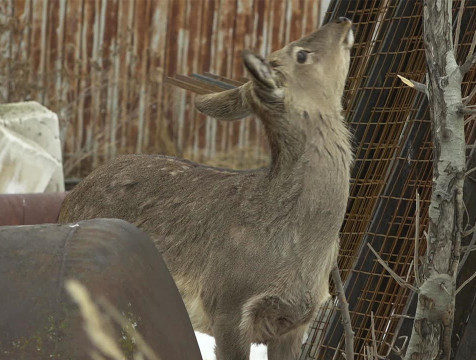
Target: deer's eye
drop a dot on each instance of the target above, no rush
(301, 56)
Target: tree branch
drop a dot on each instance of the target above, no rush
(467, 250)
(470, 171)
(416, 254)
(397, 277)
(468, 98)
(344, 313)
(414, 84)
(471, 118)
(458, 24)
(470, 61)
(469, 232)
(471, 58)
(466, 110)
(465, 283)
(374, 341)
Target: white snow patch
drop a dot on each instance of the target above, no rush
(207, 348)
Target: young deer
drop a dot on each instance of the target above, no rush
(250, 251)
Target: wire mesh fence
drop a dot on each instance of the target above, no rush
(393, 160)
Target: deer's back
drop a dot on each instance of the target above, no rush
(156, 192)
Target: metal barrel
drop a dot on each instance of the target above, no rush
(113, 260)
(30, 209)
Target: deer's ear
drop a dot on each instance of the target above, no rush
(226, 105)
(259, 69)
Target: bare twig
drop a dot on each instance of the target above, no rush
(403, 316)
(397, 277)
(471, 118)
(410, 270)
(414, 84)
(472, 46)
(467, 250)
(469, 232)
(470, 171)
(464, 110)
(374, 341)
(344, 312)
(470, 61)
(458, 25)
(465, 283)
(468, 98)
(399, 351)
(416, 254)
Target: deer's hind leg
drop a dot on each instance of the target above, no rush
(287, 346)
(279, 322)
(231, 343)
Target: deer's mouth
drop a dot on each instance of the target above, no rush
(259, 69)
(349, 38)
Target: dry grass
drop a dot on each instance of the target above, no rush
(98, 326)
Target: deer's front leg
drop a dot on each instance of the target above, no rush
(230, 343)
(287, 346)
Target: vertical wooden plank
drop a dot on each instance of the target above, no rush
(85, 85)
(310, 16)
(209, 21)
(193, 64)
(71, 68)
(118, 101)
(6, 56)
(127, 24)
(148, 77)
(109, 76)
(94, 73)
(288, 20)
(225, 47)
(242, 34)
(57, 63)
(35, 47)
(159, 135)
(183, 39)
(243, 38)
(141, 41)
(174, 62)
(50, 50)
(43, 50)
(296, 19)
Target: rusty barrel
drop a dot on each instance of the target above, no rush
(30, 209)
(112, 259)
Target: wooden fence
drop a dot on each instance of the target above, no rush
(101, 65)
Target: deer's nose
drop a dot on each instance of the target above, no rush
(342, 19)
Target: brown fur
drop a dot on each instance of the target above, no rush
(250, 251)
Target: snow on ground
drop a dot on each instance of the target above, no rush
(207, 348)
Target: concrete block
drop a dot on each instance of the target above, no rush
(35, 122)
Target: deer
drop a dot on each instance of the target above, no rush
(250, 250)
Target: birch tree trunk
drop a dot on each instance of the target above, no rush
(431, 334)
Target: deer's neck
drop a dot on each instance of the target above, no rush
(287, 145)
(305, 143)
(310, 167)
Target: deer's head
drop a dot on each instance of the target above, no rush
(305, 74)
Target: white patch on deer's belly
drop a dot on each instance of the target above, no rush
(194, 305)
